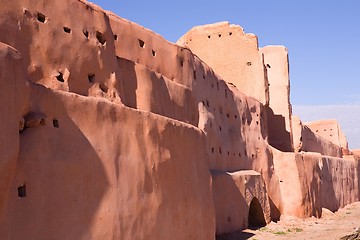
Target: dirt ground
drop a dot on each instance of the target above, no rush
(331, 226)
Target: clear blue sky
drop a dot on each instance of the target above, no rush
(323, 36)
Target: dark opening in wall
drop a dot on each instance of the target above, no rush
(103, 87)
(228, 153)
(194, 74)
(209, 36)
(100, 37)
(91, 78)
(41, 17)
(86, 33)
(153, 53)
(228, 115)
(22, 191)
(219, 35)
(256, 215)
(268, 66)
(239, 154)
(141, 43)
(56, 123)
(60, 77)
(235, 116)
(203, 76)
(181, 63)
(220, 150)
(207, 103)
(249, 63)
(115, 37)
(230, 33)
(220, 128)
(212, 150)
(67, 29)
(257, 122)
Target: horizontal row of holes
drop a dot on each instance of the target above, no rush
(219, 35)
(142, 45)
(91, 79)
(234, 154)
(99, 35)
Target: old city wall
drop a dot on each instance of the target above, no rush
(118, 94)
(182, 88)
(124, 177)
(225, 115)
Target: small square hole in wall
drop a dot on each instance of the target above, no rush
(100, 37)
(153, 53)
(141, 43)
(60, 77)
(22, 191)
(91, 78)
(248, 63)
(41, 17)
(67, 29)
(115, 37)
(56, 123)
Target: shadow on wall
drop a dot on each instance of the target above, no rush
(274, 210)
(279, 138)
(310, 183)
(328, 196)
(129, 82)
(62, 187)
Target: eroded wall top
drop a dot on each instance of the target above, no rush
(233, 54)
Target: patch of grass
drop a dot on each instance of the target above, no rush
(298, 230)
(263, 229)
(280, 233)
(348, 212)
